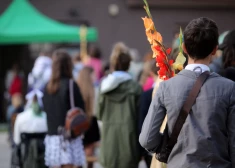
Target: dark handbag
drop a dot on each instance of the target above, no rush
(167, 144)
(76, 122)
(92, 135)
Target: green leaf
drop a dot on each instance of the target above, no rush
(163, 165)
(147, 9)
(146, 3)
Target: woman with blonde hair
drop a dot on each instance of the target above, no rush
(118, 48)
(85, 81)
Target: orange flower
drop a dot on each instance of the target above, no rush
(148, 24)
(153, 37)
(157, 36)
(151, 33)
(160, 53)
(149, 37)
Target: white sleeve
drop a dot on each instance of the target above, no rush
(30, 79)
(17, 131)
(47, 74)
(38, 67)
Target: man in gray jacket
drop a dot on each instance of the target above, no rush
(207, 138)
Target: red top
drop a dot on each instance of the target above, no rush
(16, 86)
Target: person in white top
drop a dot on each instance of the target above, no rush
(32, 120)
(41, 71)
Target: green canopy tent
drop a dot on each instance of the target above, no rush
(22, 23)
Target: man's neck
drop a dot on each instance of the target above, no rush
(201, 61)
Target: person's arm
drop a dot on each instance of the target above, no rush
(150, 136)
(231, 127)
(78, 97)
(99, 106)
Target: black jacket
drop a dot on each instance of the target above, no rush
(145, 101)
(56, 105)
(229, 73)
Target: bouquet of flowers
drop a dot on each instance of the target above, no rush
(160, 52)
(166, 66)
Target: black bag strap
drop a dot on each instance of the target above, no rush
(187, 108)
(71, 96)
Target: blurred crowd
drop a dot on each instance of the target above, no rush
(118, 94)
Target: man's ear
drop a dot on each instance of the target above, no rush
(214, 50)
(184, 48)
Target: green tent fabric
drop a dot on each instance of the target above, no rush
(23, 23)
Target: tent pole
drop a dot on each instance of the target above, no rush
(83, 43)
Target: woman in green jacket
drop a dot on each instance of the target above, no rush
(118, 111)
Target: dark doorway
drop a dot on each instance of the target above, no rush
(10, 55)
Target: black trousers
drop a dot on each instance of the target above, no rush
(147, 159)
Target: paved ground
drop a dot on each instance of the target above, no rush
(5, 153)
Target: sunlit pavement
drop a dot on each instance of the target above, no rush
(5, 151)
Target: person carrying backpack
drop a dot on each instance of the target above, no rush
(61, 152)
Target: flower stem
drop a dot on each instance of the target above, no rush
(146, 7)
(169, 71)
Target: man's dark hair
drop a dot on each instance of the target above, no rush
(123, 62)
(228, 48)
(201, 37)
